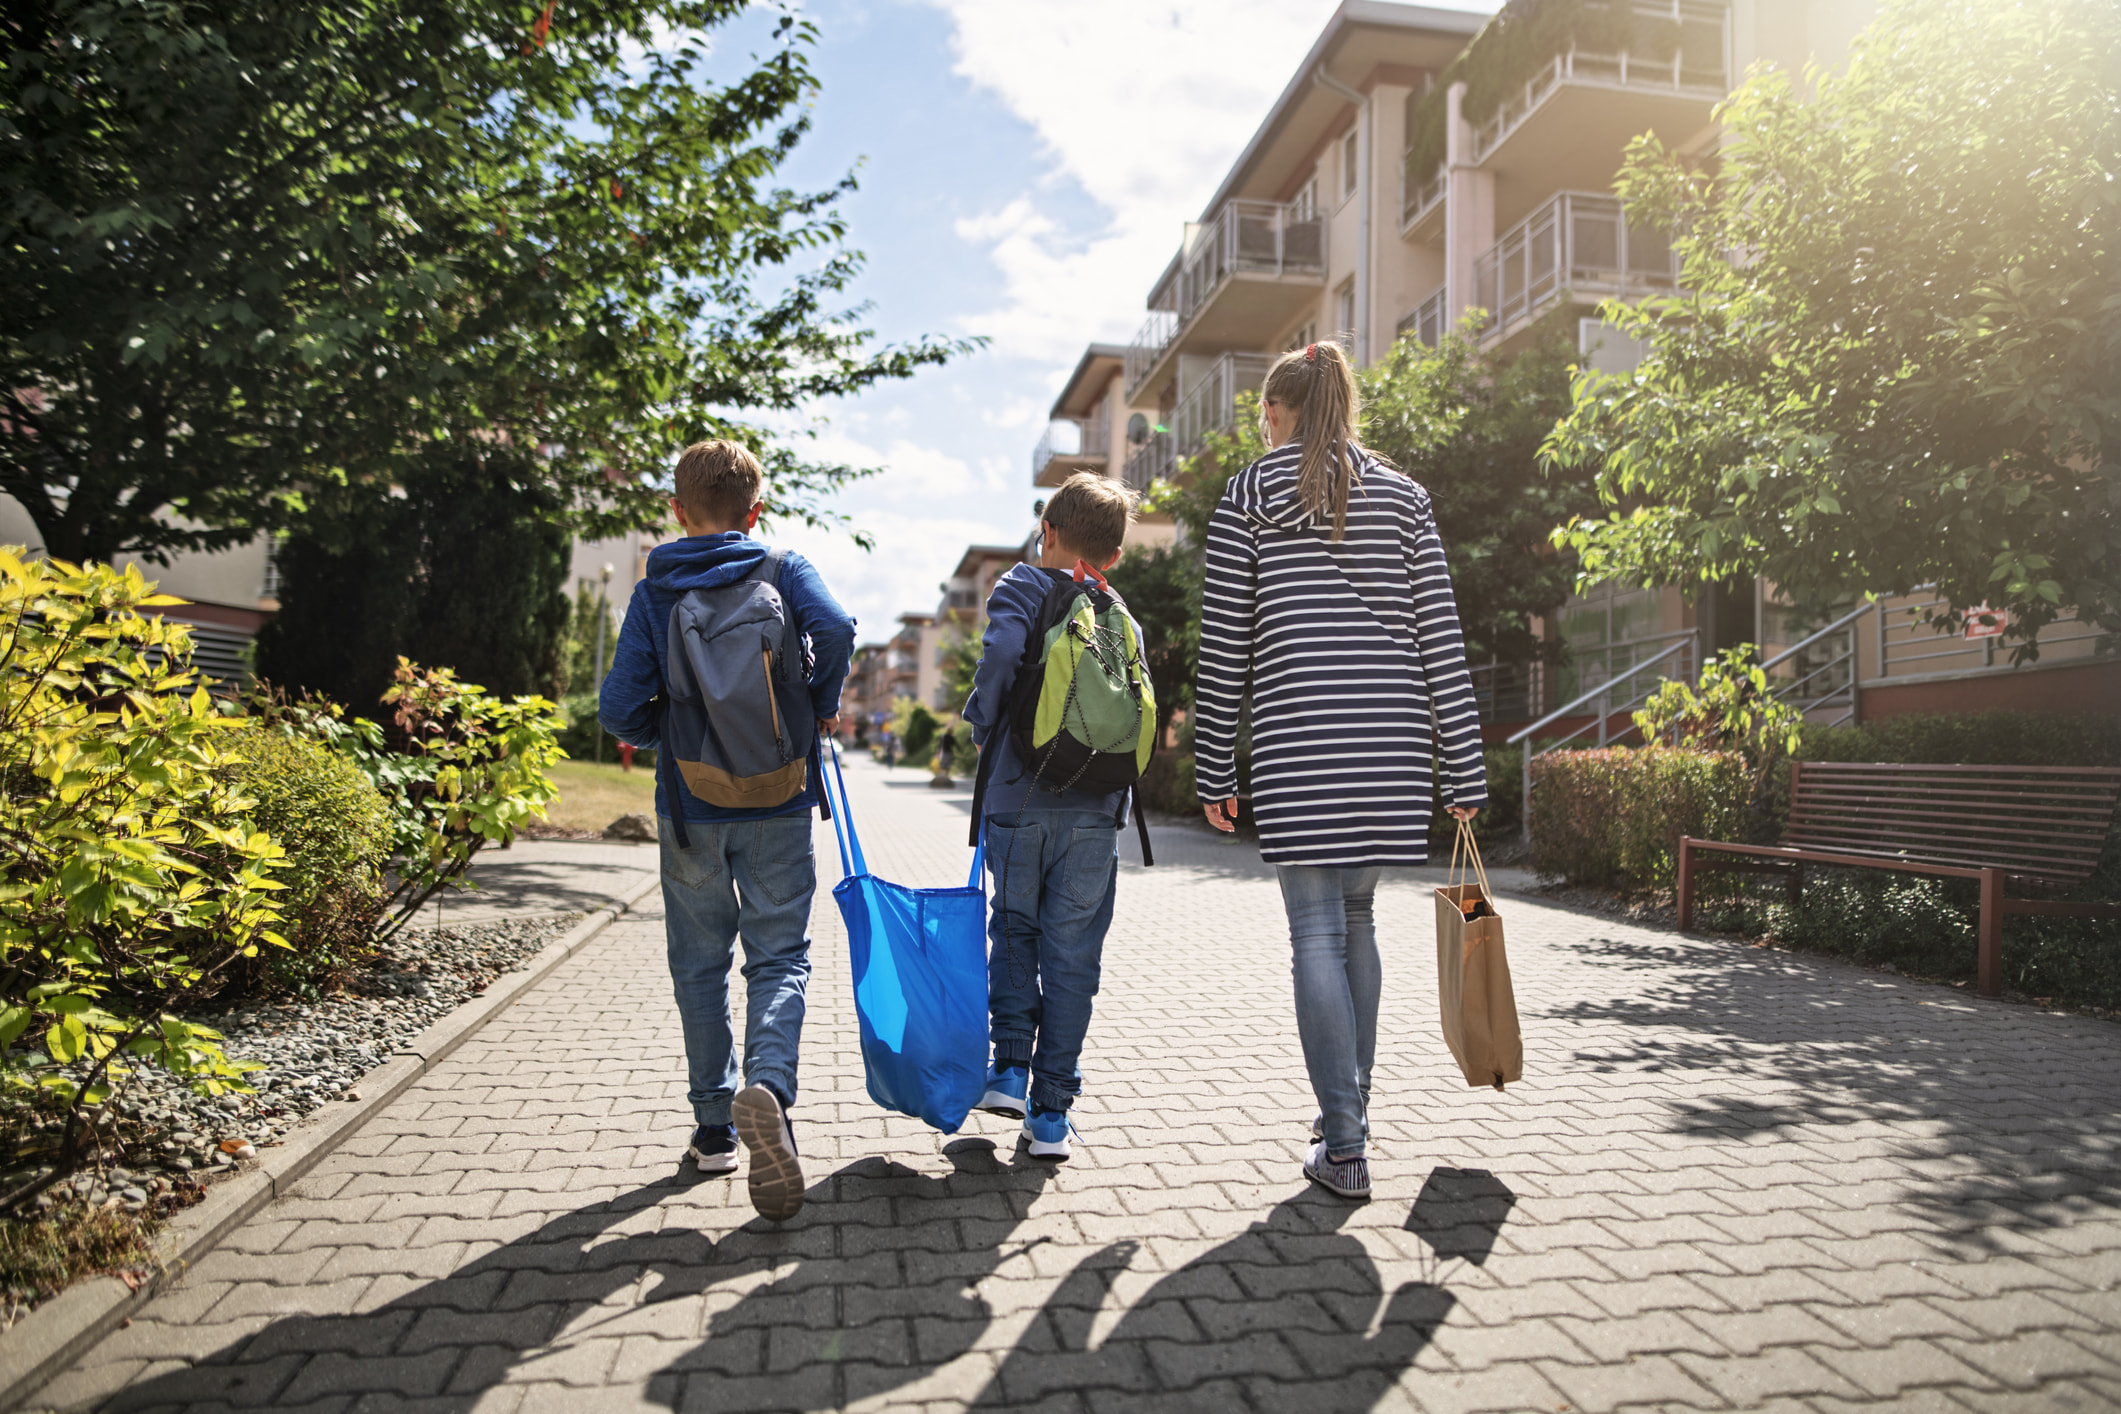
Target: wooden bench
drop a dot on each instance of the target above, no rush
(2042, 826)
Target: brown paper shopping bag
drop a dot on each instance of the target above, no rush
(1473, 974)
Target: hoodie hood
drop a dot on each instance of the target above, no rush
(1266, 492)
(703, 561)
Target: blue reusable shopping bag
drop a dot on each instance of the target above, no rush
(920, 981)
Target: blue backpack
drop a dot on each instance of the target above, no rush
(738, 723)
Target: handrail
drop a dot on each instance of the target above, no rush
(1846, 619)
(1601, 690)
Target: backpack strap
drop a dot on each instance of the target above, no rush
(1141, 825)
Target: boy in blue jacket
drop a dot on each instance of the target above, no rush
(1054, 854)
(747, 873)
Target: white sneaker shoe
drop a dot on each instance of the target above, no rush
(776, 1176)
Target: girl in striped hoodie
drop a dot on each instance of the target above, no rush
(1328, 600)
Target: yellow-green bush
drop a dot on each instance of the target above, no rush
(335, 826)
(1613, 818)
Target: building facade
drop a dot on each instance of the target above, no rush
(1421, 164)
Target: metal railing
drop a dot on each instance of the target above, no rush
(1574, 244)
(1429, 318)
(1150, 341)
(1601, 699)
(1071, 437)
(1905, 639)
(1418, 199)
(1250, 237)
(1210, 404)
(1698, 66)
(1507, 692)
(1153, 460)
(1822, 668)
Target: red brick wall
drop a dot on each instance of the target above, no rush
(2091, 687)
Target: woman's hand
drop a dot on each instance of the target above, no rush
(1222, 814)
(1463, 814)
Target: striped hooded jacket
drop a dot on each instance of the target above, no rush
(1355, 663)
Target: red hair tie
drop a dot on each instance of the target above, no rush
(1310, 352)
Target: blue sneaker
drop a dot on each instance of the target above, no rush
(1006, 1087)
(713, 1148)
(1046, 1134)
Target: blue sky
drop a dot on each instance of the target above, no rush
(1025, 170)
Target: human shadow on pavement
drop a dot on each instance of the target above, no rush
(1291, 1301)
(449, 1341)
(1786, 1046)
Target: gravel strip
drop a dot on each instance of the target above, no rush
(166, 1138)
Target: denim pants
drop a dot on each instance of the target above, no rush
(748, 878)
(1054, 872)
(1333, 935)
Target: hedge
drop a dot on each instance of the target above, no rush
(1612, 818)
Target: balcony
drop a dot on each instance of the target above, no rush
(1068, 446)
(1210, 405)
(1698, 68)
(1421, 205)
(1241, 277)
(1430, 318)
(1153, 460)
(1575, 246)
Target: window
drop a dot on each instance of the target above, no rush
(1344, 308)
(1305, 336)
(1305, 204)
(1349, 169)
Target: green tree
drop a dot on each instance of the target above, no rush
(1160, 588)
(259, 255)
(961, 654)
(1892, 362)
(466, 570)
(1468, 427)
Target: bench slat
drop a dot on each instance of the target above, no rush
(2085, 806)
(1942, 831)
(1883, 822)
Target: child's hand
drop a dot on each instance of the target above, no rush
(1222, 814)
(827, 726)
(1463, 813)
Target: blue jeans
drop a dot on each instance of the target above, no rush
(1054, 875)
(1333, 934)
(754, 879)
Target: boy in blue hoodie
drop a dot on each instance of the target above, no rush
(738, 873)
(1054, 854)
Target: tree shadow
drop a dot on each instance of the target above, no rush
(1460, 1213)
(1290, 1313)
(2015, 1098)
(449, 1341)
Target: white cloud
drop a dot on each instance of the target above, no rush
(1141, 107)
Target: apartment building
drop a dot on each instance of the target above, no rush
(1094, 427)
(1421, 163)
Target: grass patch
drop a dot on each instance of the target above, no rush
(592, 795)
(42, 1256)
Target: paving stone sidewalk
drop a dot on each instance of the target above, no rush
(1732, 1179)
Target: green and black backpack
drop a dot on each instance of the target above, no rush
(1081, 713)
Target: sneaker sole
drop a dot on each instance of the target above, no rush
(1353, 1195)
(776, 1176)
(994, 1102)
(1051, 1153)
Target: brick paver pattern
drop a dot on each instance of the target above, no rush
(1731, 1179)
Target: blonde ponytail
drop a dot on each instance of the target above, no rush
(1318, 386)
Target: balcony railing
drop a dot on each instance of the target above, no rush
(1071, 437)
(1697, 67)
(1210, 404)
(1245, 237)
(1419, 198)
(1430, 318)
(1574, 245)
(1153, 460)
(1156, 334)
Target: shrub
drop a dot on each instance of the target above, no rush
(1612, 818)
(336, 829)
(916, 727)
(580, 730)
(126, 852)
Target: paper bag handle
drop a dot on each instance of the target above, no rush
(1466, 847)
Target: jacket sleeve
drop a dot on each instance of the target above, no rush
(1001, 653)
(630, 704)
(830, 629)
(1461, 766)
(1228, 601)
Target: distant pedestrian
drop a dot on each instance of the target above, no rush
(735, 831)
(1328, 598)
(1052, 848)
